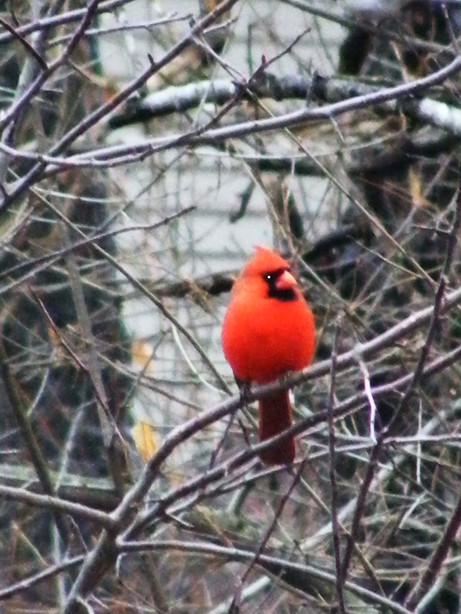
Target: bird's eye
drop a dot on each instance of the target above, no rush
(268, 276)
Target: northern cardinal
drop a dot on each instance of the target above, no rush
(268, 331)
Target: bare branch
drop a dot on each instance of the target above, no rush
(57, 503)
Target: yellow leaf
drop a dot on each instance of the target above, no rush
(146, 439)
(142, 354)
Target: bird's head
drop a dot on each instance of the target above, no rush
(269, 275)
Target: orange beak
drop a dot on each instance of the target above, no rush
(286, 281)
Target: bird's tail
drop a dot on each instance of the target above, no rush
(275, 417)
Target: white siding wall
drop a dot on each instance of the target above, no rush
(204, 241)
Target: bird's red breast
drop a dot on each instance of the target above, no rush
(268, 330)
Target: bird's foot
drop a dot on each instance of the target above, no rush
(245, 388)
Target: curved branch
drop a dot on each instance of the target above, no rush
(277, 566)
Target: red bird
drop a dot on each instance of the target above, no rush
(268, 331)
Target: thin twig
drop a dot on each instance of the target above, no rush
(50, 572)
(29, 48)
(332, 470)
(53, 21)
(436, 561)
